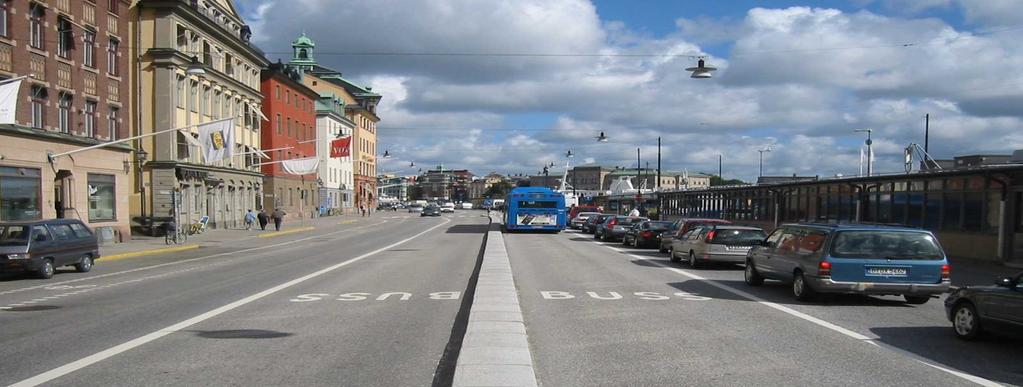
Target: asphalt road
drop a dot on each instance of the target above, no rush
(377, 302)
(624, 316)
(365, 304)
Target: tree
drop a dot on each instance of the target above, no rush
(499, 189)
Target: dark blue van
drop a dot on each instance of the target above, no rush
(851, 258)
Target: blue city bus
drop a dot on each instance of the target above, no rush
(535, 208)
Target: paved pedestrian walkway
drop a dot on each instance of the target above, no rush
(142, 243)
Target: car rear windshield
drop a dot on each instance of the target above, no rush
(13, 235)
(886, 245)
(737, 237)
(659, 226)
(624, 221)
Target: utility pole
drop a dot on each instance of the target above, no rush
(658, 184)
(870, 150)
(927, 134)
(722, 178)
(639, 172)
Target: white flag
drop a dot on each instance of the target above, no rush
(9, 101)
(217, 139)
(301, 166)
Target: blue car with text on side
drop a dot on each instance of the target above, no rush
(535, 209)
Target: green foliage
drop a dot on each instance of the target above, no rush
(716, 180)
(498, 190)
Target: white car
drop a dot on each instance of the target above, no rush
(466, 206)
(447, 207)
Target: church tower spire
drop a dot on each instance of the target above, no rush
(302, 52)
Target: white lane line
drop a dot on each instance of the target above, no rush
(11, 291)
(812, 319)
(131, 344)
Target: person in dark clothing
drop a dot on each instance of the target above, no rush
(278, 218)
(263, 219)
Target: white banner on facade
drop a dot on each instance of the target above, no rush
(217, 139)
(9, 101)
(301, 166)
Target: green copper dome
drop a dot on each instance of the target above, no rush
(303, 41)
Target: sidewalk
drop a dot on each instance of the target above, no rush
(145, 245)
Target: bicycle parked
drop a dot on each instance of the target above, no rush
(172, 234)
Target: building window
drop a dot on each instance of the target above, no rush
(215, 111)
(182, 38)
(180, 97)
(5, 15)
(90, 119)
(65, 37)
(38, 107)
(204, 102)
(278, 92)
(113, 123)
(37, 16)
(112, 56)
(112, 6)
(64, 113)
(19, 193)
(289, 126)
(193, 95)
(102, 198)
(89, 49)
(278, 126)
(225, 109)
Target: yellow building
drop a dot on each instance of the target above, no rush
(170, 38)
(360, 103)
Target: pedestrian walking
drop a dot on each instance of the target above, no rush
(278, 218)
(249, 219)
(634, 212)
(362, 209)
(263, 219)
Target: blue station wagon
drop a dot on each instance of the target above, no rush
(851, 258)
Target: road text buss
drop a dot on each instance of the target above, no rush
(535, 208)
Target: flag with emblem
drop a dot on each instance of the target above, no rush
(217, 139)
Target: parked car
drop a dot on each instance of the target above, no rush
(447, 207)
(665, 238)
(576, 210)
(683, 226)
(466, 206)
(974, 310)
(856, 258)
(590, 227)
(645, 234)
(414, 208)
(716, 243)
(431, 210)
(578, 221)
(614, 227)
(42, 246)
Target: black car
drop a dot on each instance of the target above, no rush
(41, 246)
(666, 236)
(645, 234)
(431, 210)
(592, 222)
(976, 309)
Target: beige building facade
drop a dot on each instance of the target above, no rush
(171, 37)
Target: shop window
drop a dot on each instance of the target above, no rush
(973, 211)
(102, 198)
(19, 194)
(952, 213)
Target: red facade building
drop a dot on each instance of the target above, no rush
(289, 134)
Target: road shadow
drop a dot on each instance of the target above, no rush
(31, 308)
(702, 288)
(995, 358)
(23, 275)
(468, 229)
(581, 239)
(241, 334)
(781, 293)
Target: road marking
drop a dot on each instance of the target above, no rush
(812, 319)
(131, 344)
(361, 296)
(133, 254)
(18, 290)
(286, 232)
(652, 296)
(350, 221)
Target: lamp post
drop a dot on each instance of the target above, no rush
(768, 149)
(870, 150)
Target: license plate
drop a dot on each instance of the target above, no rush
(888, 271)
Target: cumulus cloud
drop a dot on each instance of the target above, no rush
(456, 74)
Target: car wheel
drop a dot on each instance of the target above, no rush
(801, 289)
(671, 253)
(752, 276)
(916, 300)
(84, 264)
(965, 322)
(46, 272)
(693, 263)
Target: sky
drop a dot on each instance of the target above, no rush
(508, 86)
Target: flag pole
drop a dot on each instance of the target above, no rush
(15, 79)
(53, 156)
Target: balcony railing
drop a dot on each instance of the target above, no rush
(89, 13)
(37, 64)
(89, 81)
(64, 75)
(5, 57)
(113, 90)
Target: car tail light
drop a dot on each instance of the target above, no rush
(646, 234)
(824, 269)
(946, 271)
(612, 222)
(710, 236)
